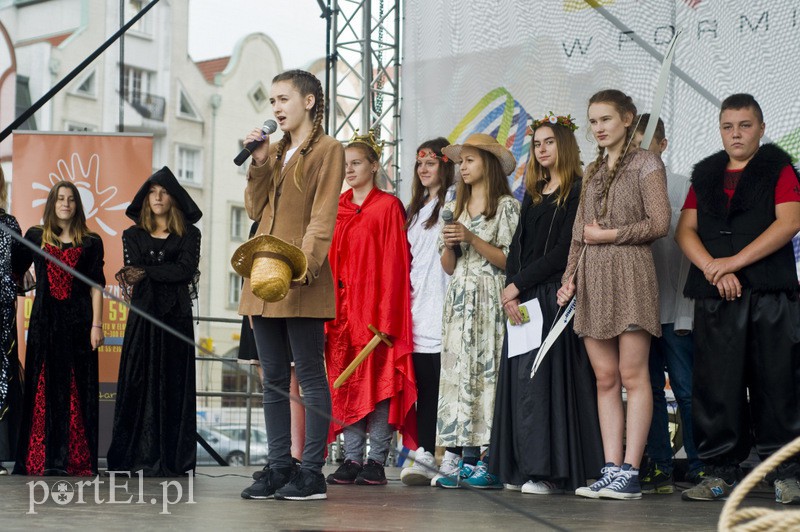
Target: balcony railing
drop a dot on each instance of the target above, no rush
(148, 105)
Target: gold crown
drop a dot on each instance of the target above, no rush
(368, 140)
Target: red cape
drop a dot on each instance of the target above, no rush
(370, 258)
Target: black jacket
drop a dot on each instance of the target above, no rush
(538, 252)
(727, 229)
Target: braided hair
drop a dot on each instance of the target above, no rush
(624, 105)
(306, 83)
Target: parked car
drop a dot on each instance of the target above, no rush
(227, 443)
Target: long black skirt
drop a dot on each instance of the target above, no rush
(155, 422)
(546, 428)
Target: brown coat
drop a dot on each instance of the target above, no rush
(305, 218)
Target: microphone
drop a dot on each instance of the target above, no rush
(447, 217)
(268, 128)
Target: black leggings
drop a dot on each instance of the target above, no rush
(426, 368)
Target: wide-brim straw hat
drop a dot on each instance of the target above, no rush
(484, 142)
(271, 264)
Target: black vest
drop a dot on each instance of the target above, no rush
(727, 229)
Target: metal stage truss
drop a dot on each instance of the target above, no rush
(365, 76)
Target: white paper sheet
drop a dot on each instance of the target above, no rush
(528, 336)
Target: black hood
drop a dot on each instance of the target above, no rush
(165, 178)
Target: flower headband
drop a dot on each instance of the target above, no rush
(550, 118)
(367, 140)
(422, 154)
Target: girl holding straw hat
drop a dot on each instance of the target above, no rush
(485, 217)
(370, 260)
(155, 412)
(292, 190)
(624, 207)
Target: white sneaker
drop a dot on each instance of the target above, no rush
(512, 487)
(543, 487)
(449, 467)
(421, 471)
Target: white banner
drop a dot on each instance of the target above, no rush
(489, 65)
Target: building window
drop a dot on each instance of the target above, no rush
(87, 86)
(136, 84)
(259, 97)
(185, 107)
(144, 26)
(238, 224)
(234, 289)
(189, 165)
(74, 126)
(23, 103)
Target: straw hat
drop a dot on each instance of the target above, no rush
(271, 264)
(484, 142)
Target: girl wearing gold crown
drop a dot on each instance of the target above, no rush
(624, 207)
(484, 215)
(545, 434)
(370, 261)
(292, 190)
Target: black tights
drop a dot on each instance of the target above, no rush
(426, 368)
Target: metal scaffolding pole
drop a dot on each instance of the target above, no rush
(365, 77)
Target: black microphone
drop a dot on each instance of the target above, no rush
(447, 217)
(268, 129)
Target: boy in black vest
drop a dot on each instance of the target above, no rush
(736, 227)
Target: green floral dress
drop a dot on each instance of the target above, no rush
(473, 330)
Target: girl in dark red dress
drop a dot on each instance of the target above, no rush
(59, 422)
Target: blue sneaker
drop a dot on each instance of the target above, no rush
(482, 479)
(454, 481)
(624, 486)
(606, 477)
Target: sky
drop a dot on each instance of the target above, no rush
(215, 26)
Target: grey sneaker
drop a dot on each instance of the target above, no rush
(710, 489)
(607, 475)
(787, 491)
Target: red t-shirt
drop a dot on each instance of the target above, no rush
(786, 189)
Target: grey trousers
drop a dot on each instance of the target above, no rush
(376, 423)
(279, 341)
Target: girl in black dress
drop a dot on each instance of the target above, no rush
(59, 420)
(545, 435)
(154, 419)
(10, 377)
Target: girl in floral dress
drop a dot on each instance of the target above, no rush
(473, 250)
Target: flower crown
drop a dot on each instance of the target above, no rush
(551, 118)
(422, 154)
(368, 140)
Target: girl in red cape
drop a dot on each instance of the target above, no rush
(370, 260)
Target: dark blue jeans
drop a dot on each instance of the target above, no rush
(675, 354)
(279, 341)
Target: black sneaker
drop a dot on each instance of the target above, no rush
(267, 482)
(655, 480)
(305, 485)
(371, 474)
(346, 474)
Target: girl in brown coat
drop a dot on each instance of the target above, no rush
(293, 190)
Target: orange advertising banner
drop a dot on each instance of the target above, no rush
(107, 169)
